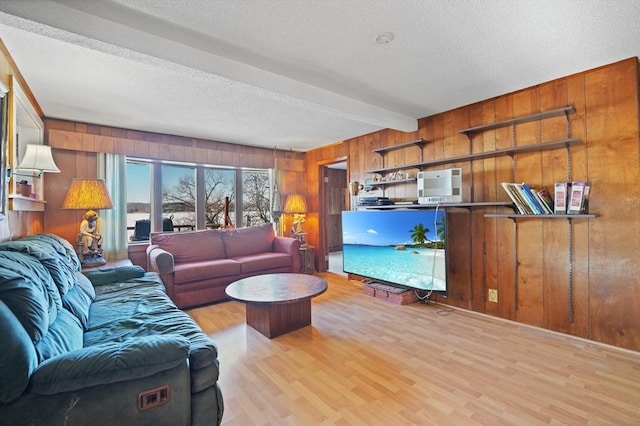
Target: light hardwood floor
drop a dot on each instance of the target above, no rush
(365, 361)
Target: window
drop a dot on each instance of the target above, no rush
(255, 197)
(138, 200)
(193, 197)
(219, 184)
(178, 196)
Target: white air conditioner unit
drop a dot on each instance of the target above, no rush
(440, 186)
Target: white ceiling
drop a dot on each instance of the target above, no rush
(299, 74)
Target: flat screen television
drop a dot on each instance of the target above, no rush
(405, 248)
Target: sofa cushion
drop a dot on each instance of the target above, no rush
(263, 262)
(109, 362)
(110, 275)
(252, 240)
(28, 290)
(64, 248)
(196, 271)
(64, 335)
(192, 246)
(51, 256)
(79, 299)
(18, 357)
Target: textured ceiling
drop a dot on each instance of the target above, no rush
(299, 74)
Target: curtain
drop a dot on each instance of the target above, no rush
(111, 168)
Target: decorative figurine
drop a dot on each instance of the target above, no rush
(91, 240)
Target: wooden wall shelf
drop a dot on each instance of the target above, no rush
(543, 146)
(441, 206)
(22, 203)
(519, 120)
(419, 143)
(542, 216)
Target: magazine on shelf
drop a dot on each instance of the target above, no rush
(561, 190)
(578, 200)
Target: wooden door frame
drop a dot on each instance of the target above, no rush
(322, 251)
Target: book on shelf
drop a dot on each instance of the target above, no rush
(579, 197)
(561, 192)
(532, 199)
(585, 198)
(546, 199)
(516, 197)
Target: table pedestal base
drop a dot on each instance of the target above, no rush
(275, 319)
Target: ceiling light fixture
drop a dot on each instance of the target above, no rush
(383, 38)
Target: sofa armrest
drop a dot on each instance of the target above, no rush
(159, 260)
(109, 363)
(290, 246)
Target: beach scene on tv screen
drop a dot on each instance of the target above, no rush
(399, 247)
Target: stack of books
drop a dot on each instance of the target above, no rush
(528, 200)
(569, 198)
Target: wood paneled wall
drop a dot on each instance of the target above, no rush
(75, 146)
(605, 302)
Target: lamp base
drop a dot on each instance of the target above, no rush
(301, 237)
(90, 241)
(90, 260)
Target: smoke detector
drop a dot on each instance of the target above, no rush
(383, 38)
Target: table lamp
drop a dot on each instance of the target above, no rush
(90, 195)
(37, 159)
(297, 206)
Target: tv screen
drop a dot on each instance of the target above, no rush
(406, 248)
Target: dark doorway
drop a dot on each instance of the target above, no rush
(335, 201)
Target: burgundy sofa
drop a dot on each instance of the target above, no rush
(197, 266)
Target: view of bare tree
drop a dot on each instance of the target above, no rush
(255, 197)
(181, 197)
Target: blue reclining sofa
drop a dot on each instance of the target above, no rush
(107, 348)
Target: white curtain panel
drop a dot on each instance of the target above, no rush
(112, 168)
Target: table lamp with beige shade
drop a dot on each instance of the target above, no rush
(90, 195)
(297, 206)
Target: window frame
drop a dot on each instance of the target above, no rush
(155, 196)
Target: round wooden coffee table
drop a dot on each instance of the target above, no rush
(277, 303)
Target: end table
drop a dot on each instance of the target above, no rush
(307, 262)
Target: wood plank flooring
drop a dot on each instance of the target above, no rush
(364, 361)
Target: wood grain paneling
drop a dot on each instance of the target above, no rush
(576, 277)
(614, 238)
